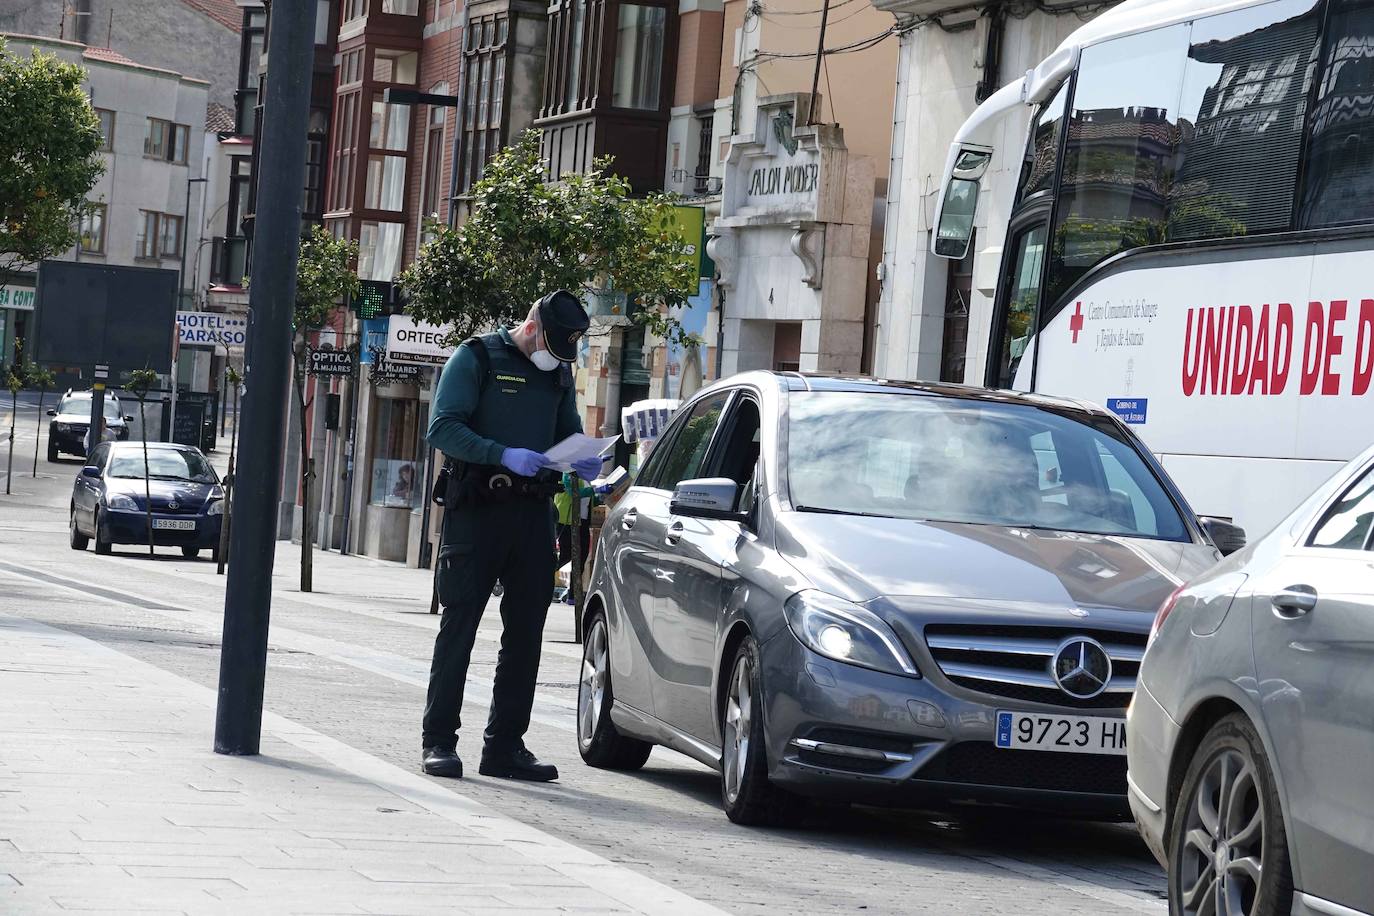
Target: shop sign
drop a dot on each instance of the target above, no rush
(19, 298)
(384, 371)
(211, 329)
(416, 342)
(328, 361)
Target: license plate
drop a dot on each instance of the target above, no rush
(1065, 734)
(175, 524)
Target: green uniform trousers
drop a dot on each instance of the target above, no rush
(512, 542)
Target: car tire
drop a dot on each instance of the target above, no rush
(102, 546)
(747, 794)
(190, 553)
(598, 740)
(75, 537)
(1228, 809)
(53, 453)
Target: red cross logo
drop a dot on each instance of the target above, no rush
(1076, 322)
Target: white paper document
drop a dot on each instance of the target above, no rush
(575, 448)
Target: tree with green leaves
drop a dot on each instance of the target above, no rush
(526, 237)
(325, 278)
(49, 157)
(42, 379)
(140, 382)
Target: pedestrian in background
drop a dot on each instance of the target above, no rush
(503, 399)
(575, 492)
(97, 434)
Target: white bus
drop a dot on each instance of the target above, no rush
(1191, 242)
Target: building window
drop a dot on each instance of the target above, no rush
(93, 229)
(250, 66)
(351, 68)
(639, 57)
(395, 472)
(322, 8)
(313, 202)
(345, 151)
(484, 95)
(159, 235)
(240, 181)
(169, 235)
(386, 183)
(107, 128)
(401, 7)
(706, 125)
(379, 250)
(390, 129)
(577, 27)
(395, 67)
(355, 9)
(166, 140)
(433, 176)
(440, 10)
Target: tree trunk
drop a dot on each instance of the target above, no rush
(147, 487)
(14, 415)
(307, 472)
(38, 433)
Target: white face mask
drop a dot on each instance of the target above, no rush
(544, 360)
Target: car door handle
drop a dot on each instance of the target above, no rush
(1294, 601)
(627, 521)
(674, 534)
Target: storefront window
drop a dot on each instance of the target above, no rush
(639, 57)
(396, 472)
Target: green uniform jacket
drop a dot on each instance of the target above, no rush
(516, 406)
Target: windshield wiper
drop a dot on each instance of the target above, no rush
(823, 510)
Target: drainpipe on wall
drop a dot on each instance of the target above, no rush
(993, 22)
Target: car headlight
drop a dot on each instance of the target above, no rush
(120, 501)
(846, 632)
(63, 427)
(215, 508)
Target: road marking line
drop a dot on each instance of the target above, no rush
(551, 710)
(596, 872)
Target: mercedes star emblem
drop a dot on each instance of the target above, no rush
(1082, 668)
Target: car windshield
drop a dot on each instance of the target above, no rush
(81, 404)
(167, 463)
(975, 462)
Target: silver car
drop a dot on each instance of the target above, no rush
(1251, 734)
(883, 592)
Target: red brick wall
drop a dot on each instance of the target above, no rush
(698, 57)
(440, 62)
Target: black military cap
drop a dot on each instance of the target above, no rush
(563, 321)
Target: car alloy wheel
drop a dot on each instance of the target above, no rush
(591, 693)
(598, 740)
(739, 712)
(749, 797)
(75, 537)
(1229, 854)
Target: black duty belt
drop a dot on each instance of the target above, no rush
(462, 484)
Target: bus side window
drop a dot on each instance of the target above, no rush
(1339, 182)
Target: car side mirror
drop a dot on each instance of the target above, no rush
(52, 411)
(128, 418)
(707, 497)
(1225, 536)
(90, 470)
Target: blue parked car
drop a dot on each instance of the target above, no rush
(109, 505)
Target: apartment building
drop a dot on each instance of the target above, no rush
(152, 121)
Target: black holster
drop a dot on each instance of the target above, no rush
(463, 484)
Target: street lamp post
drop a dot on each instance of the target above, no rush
(252, 537)
(181, 293)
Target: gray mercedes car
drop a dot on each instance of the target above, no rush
(1251, 734)
(884, 592)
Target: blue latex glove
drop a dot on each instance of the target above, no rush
(523, 461)
(588, 468)
(604, 489)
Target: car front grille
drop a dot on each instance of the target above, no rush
(982, 764)
(1015, 662)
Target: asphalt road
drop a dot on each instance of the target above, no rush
(351, 659)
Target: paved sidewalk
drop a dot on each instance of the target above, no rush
(112, 800)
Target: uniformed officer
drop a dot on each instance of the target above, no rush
(497, 409)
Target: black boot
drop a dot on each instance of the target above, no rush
(441, 761)
(516, 763)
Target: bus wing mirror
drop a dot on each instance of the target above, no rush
(959, 203)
